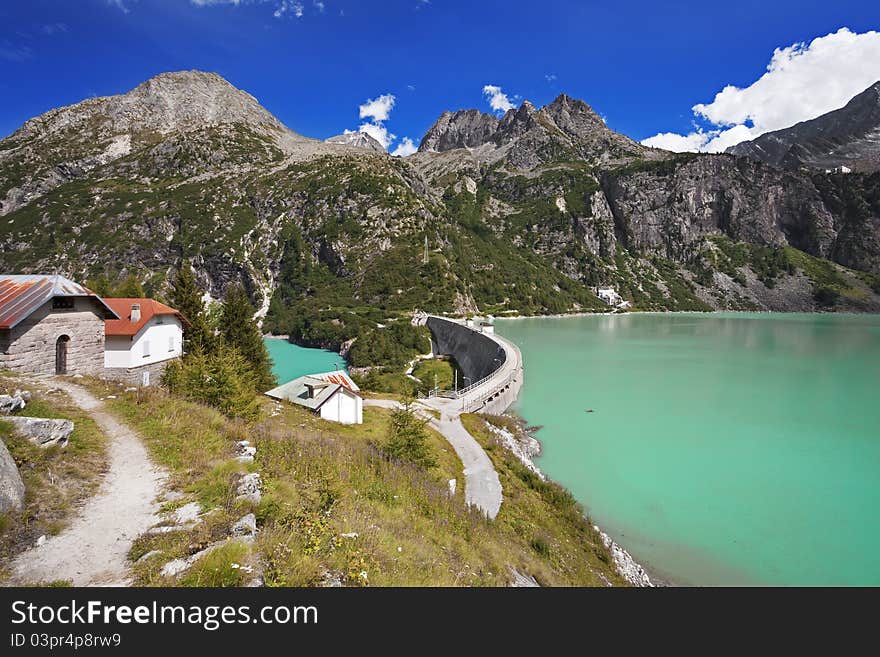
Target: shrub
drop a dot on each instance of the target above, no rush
(222, 379)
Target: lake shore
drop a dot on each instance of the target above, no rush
(525, 446)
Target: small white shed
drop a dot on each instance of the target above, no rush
(332, 395)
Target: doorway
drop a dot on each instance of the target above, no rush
(61, 354)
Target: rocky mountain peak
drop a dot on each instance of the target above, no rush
(573, 116)
(175, 101)
(462, 129)
(357, 140)
(515, 123)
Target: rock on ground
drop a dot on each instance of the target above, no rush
(11, 485)
(11, 403)
(43, 432)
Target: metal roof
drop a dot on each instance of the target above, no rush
(298, 391)
(22, 294)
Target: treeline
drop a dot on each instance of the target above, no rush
(226, 364)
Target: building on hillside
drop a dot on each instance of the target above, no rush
(51, 325)
(142, 340)
(332, 395)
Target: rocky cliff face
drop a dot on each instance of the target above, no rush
(462, 129)
(847, 137)
(526, 213)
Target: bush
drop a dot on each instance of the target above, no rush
(222, 379)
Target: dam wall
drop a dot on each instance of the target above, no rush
(492, 365)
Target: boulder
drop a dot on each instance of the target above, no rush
(246, 527)
(11, 403)
(11, 485)
(24, 394)
(43, 432)
(249, 488)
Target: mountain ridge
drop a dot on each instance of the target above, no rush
(845, 137)
(526, 213)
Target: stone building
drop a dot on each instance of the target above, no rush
(51, 325)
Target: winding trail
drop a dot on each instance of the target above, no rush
(482, 487)
(93, 549)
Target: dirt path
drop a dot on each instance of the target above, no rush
(93, 549)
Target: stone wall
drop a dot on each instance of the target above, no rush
(477, 355)
(30, 346)
(134, 376)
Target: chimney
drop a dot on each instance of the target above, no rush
(135, 312)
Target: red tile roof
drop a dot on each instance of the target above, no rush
(124, 326)
(21, 295)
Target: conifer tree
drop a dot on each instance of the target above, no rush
(239, 331)
(186, 296)
(129, 288)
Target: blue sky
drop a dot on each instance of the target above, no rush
(641, 64)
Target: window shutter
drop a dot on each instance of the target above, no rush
(146, 348)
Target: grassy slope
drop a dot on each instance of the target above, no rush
(56, 479)
(322, 480)
(545, 516)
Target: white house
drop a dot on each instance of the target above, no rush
(139, 344)
(332, 395)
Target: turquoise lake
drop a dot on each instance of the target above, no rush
(290, 361)
(723, 449)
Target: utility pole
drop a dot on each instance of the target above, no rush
(425, 261)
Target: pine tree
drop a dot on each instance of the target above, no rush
(130, 288)
(407, 439)
(186, 296)
(239, 331)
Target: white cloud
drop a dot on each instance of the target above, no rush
(550, 77)
(298, 9)
(377, 109)
(671, 141)
(802, 81)
(319, 6)
(404, 148)
(498, 100)
(119, 5)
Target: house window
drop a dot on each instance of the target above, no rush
(62, 303)
(146, 348)
(170, 343)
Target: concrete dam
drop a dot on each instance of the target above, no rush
(492, 365)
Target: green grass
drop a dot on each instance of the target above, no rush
(217, 567)
(334, 503)
(437, 371)
(544, 516)
(825, 275)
